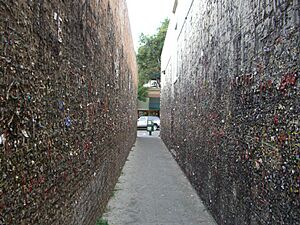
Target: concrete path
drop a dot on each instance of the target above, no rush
(153, 190)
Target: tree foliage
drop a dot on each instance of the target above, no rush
(149, 52)
(142, 93)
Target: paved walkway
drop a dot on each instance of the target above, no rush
(153, 190)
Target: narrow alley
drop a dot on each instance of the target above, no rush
(218, 84)
(153, 190)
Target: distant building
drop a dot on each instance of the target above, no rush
(152, 84)
(151, 107)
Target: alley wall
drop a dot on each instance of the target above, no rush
(230, 106)
(68, 82)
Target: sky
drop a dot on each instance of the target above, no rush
(146, 16)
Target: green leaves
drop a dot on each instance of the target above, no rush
(149, 52)
(102, 222)
(142, 93)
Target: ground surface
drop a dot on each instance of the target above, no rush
(153, 190)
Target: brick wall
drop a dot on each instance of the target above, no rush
(67, 108)
(230, 106)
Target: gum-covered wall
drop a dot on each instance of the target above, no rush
(67, 108)
(230, 107)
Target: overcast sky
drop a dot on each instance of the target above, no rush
(146, 16)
